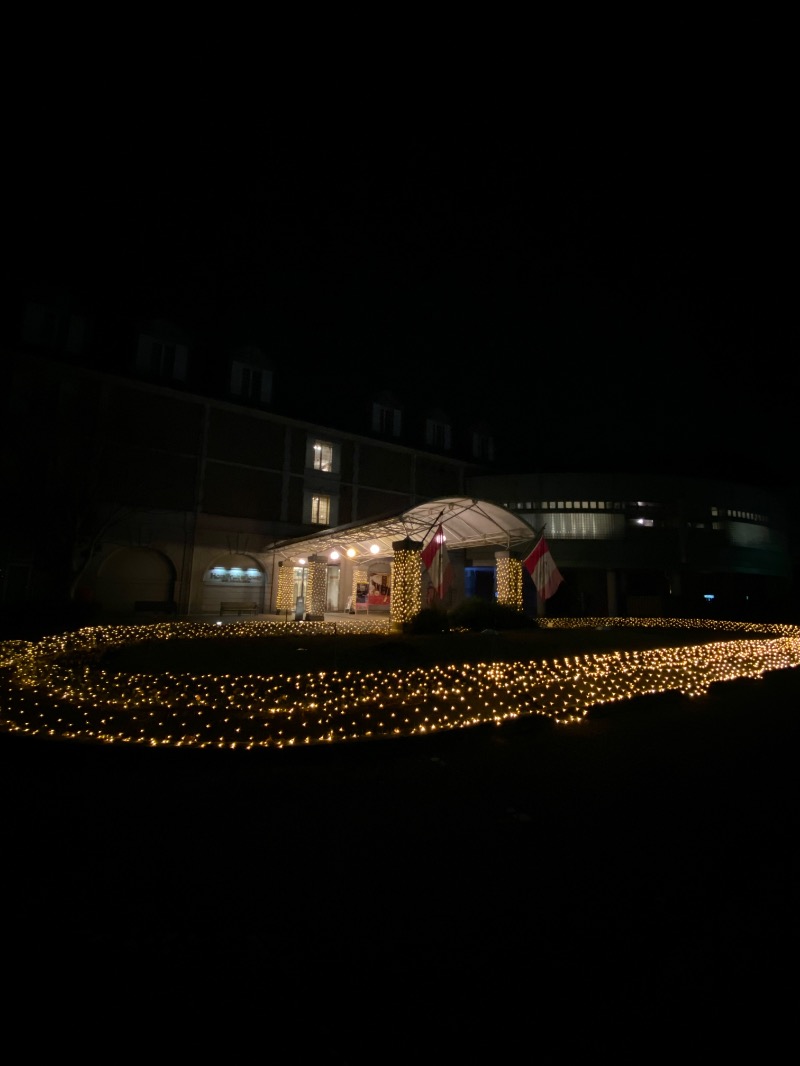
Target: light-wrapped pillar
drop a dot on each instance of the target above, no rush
(285, 600)
(406, 581)
(509, 579)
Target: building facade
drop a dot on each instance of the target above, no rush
(145, 488)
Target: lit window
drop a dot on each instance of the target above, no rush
(320, 510)
(323, 456)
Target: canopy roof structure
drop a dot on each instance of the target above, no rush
(467, 524)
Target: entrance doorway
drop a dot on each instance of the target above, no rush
(480, 583)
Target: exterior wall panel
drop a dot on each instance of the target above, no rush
(436, 479)
(237, 437)
(245, 491)
(161, 421)
(373, 502)
(386, 469)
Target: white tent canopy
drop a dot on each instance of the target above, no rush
(467, 524)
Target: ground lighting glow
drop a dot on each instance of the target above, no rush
(56, 687)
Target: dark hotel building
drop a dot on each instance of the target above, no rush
(142, 477)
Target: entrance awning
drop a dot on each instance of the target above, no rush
(468, 524)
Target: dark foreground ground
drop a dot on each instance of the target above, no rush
(637, 872)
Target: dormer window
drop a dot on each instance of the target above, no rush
(438, 434)
(386, 417)
(40, 325)
(251, 382)
(162, 359)
(482, 446)
(162, 356)
(52, 326)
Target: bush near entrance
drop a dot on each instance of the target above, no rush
(473, 614)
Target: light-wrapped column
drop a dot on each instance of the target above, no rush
(406, 581)
(285, 600)
(316, 585)
(509, 579)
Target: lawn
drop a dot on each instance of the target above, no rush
(257, 684)
(234, 651)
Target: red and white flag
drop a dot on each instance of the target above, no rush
(437, 562)
(543, 570)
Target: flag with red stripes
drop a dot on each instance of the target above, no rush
(545, 573)
(437, 563)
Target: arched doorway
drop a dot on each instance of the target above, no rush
(134, 575)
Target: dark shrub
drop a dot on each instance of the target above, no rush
(477, 614)
(429, 620)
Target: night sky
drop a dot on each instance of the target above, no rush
(634, 294)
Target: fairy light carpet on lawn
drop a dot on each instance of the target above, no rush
(57, 687)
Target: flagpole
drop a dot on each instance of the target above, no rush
(440, 535)
(541, 602)
(437, 519)
(439, 553)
